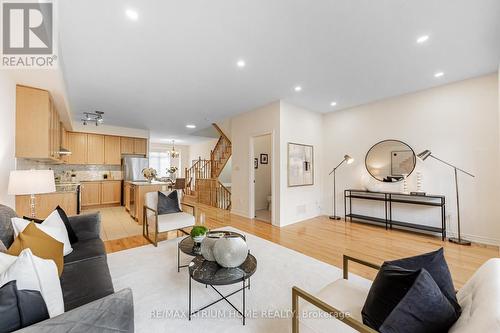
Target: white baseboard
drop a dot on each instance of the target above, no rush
(240, 213)
(476, 239)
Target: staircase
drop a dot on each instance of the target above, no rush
(202, 178)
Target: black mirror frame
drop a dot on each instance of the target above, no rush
(414, 159)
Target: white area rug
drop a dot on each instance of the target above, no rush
(159, 291)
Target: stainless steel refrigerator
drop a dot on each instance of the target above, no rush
(132, 168)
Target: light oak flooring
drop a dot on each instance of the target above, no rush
(116, 223)
(263, 215)
(328, 240)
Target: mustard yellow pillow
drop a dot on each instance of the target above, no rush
(41, 245)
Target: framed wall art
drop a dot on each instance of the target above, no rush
(300, 164)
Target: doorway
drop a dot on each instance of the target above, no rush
(262, 177)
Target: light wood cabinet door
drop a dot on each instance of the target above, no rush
(111, 192)
(127, 145)
(77, 144)
(112, 153)
(140, 146)
(95, 149)
(46, 203)
(33, 123)
(91, 193)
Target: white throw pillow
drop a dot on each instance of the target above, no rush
(5, 261)
(34, 273)
(52, 226)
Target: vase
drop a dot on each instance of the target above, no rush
(230, 251)
(198, 239)
(208, 243)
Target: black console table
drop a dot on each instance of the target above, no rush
(388, 198)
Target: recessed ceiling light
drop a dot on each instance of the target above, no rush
(191, 126)
(241, 63)
(422, 39)
(438, 74)
(333, 103)
(132, 14)
(298, 88)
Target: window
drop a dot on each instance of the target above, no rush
(161, 161)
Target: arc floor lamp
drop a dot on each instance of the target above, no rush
(348, 159)
(423, 156)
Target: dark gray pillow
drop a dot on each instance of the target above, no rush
(6, 230)
(435, 264)
(20, 308)
(11, 320)
(168, 204)
(402, 300)
(424, 309)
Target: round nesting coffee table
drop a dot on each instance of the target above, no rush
(187, 246)
(210, 273)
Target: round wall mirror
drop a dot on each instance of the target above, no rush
(389, 160)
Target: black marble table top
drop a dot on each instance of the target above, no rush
(211, 273)
(188, 246)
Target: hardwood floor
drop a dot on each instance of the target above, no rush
(328, 240)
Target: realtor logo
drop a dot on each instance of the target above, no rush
(27, 34)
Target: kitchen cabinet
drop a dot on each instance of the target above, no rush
(37, 125)
(77, 144)
(140, 146)
(101, 193)
(111, 192)
(95, 149)
(139, 193)
(46, 203)
(127, 145)
(112, 152)
(91, 193)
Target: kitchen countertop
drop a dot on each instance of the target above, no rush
(100, 180)
(146, 183)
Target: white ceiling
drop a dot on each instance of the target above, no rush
(177, 63)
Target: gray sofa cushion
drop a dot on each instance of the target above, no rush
(86, 277)
(6, 231)
(85, 281)
(85, 249)
(114, 313)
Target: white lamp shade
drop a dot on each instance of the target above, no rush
(23, 182)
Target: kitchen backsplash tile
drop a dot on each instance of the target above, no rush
(83, 172)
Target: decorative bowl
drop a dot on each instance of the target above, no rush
(230, 251)
(208, 243)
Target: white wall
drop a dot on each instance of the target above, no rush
(201, 149)
(225, 175)
(458, 122)
(7, 132)
(264, 120)
(262, 145)
(298, 125)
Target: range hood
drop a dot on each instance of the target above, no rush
(64, 151)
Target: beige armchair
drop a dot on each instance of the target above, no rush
(479, 299)
(166, 222)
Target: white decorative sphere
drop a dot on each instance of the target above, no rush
(230, 251)
(207, 246)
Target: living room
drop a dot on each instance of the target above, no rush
(169, 166)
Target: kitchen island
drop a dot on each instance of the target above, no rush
(134, 193)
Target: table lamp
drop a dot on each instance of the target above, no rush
(31, 182)
(348, 159)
